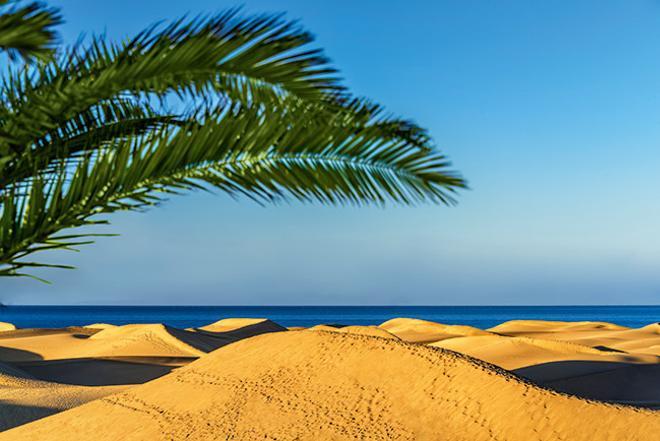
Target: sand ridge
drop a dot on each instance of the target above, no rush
(518, 352)
(4, 326)
(248, 373)
(644, 340)
(143, 340)
(24, 399)
(519, 326)
(328, 385)
(424, 331)
(233, 324)
(374, 331)
(100, 326)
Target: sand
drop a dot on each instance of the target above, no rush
(4, 326)
(44, 371)
(519, 352)
(373, 331)
(422, 331)
(327, 386)
(245, 379)
(24, 399)
(645, 340)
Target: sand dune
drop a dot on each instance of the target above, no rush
(100, 326)
(137, 341)
(233, 324)
(645, 340)
(57, 344)
(528, 326)
(518, 352)
(373, 331)
(331, 382)
(329, 385)
(42, 344)
(24, 399)
(4, 326)
(100, 355)
(153, 340)
(423, 331)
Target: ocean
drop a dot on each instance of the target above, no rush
(193, 316)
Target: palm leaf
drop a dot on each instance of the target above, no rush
(94, 131)
(28, 31)
(267, 156)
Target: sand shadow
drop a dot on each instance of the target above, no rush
(208, 341)
(100, 372)
(12, 355)
(12, 415)
(619, 382)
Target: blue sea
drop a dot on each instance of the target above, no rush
(193, 316)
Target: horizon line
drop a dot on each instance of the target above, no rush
(326, 306)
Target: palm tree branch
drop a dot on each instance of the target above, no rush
(247, 153)
(28, 31)
(202, 57)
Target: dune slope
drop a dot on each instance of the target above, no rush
(423, 331)
(4, 326)
(340, 386)
(24, 399)
(373, 331)
(517, 352)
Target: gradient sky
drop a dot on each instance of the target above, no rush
(550, 109)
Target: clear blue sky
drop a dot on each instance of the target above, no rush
(550, 109)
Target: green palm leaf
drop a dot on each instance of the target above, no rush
(95, 131)
(28, 31)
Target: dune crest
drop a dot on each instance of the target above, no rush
(232, 324)
(424, 331)
(100, 326)
(330, 386)
(373, 331)
(518, 352)
(4, 326)
(143, 340)
(553, 326)
(602, 335)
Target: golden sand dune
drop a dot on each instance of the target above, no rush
(24, 399)
(528, 326)
(151, 340)
(423, 331)
(113, 355)
(517, 352)
(42, 344)
(232, 324)
(645, 340)
(340, 386)
(228, 331)
(100, 326)
(137, 341)
(4, 326)
(373, 331)
(129, 340)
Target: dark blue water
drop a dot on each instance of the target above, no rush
(191, 316)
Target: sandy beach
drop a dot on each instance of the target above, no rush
(405, 379)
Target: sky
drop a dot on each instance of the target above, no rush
(551, 110)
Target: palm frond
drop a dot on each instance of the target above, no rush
(94, 131)
(28, 31)
(266, 155)
(89, 130)
(227, 57)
